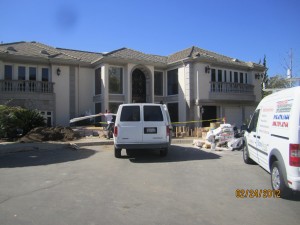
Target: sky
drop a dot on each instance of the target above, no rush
(242, 29)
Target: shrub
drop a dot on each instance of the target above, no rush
(16, 119)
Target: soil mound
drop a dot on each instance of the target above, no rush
(40, 134)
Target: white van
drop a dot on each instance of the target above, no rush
(272, 139)
(142, 126)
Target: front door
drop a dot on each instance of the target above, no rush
(138, 86)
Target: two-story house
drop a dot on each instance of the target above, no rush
(196, 84)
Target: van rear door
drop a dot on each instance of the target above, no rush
(154, 129)
(130, 125)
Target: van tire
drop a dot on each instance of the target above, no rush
(246, 156)
(277, 180)
(118, 152)
(163, 152)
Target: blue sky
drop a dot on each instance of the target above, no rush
(243, 29)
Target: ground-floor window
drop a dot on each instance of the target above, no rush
(113, 106)
(98, 109)
(48, 116)
(173, 111)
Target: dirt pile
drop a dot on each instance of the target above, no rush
(40, 134)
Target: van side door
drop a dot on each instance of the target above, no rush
(251, 136)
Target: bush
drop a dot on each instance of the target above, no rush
(16, 120)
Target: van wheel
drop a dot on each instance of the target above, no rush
(246, 157)
(277, 180)
(118, 152)
(163, 152)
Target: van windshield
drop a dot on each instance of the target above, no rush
(130, 113)
(153, 113)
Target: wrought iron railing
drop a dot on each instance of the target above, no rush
(224, 87)
(26, 86)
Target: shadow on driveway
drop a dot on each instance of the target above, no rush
(176, 154)
(44, 155)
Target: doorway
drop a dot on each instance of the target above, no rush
(138, 86)
(209, 113)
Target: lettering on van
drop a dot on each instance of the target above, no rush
(280, 124)
(281, 117)
(284, 106)
(281, 120)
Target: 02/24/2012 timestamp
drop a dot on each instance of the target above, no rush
(257, 193)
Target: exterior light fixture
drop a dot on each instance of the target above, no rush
(58, 71)
(207, 69)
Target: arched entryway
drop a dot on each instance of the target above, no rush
(139, 86)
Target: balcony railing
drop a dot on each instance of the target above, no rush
(223, 87)
(26, 86)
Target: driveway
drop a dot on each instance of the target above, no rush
(89, 186)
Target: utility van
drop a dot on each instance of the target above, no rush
(272, 139)
(142, 126)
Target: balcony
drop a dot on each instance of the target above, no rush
(231, 91)
(27, 86)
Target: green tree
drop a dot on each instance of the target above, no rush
(265, 78)
(278, 82)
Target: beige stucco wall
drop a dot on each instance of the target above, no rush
(62, 93)
(203, 81)
(86, 90)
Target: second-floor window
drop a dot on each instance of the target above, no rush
(115, 80)
(7, 72)
(173, 82)
(236, 77)
(213, 75)
(241, 78)
(98, 81)
(32, 73)
(158, 83)
(219, 75)
(45, 74)
(21, 72)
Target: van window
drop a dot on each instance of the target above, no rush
(153, 113)
(253, 123)
(130, 113)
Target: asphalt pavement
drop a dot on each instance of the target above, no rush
(88, 185)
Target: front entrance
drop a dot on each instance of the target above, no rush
(138, 86)
(209, 114)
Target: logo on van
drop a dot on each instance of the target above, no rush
(281, 117)
(284, 106)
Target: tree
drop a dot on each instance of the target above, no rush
(265, 78)
(278, 82)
